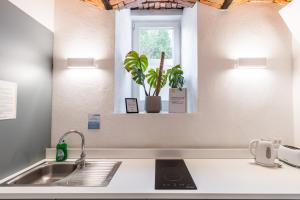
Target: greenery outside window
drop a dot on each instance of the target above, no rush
(151, 38)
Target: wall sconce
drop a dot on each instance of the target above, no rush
(81, 63)
(251, 63)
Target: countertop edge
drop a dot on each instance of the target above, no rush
(147, 196)
(155, 153)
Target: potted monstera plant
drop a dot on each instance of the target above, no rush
(156, 78)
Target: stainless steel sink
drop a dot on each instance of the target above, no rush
(67, 174)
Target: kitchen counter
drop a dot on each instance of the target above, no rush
(215, 179)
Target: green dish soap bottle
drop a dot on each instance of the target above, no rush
(61, 152)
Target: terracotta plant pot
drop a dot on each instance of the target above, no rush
(153, 104)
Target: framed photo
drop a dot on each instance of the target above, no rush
(131, 105)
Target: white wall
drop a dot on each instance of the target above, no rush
(81, 30)
(189, 56)
(290, 13)
(245, 104)
(234, 106)
(296, 74)
(40, 10)
(123, 43)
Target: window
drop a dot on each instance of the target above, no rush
(149, 32)
(151, 38)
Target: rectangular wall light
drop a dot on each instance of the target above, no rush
(249, 63)
(81, 63)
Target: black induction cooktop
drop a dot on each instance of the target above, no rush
(173, 175)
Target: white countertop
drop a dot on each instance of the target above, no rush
(215, 178)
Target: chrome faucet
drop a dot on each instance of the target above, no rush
(81, 161)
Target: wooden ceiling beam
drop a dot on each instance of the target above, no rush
(107, 4)
(226, 4)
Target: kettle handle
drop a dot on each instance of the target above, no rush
(253, 145)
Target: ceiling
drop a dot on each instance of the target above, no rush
(171, 4)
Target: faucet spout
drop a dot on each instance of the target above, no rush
(81, 161)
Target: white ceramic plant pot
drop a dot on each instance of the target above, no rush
(177, 100)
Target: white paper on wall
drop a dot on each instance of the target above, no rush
(8, 100)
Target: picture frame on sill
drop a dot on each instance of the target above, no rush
(131, 105)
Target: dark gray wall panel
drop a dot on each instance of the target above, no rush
(25, 58)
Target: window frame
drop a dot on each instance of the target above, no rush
(138, 24)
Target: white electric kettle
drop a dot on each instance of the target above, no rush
(264, 152)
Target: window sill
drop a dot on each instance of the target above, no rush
(161, 113)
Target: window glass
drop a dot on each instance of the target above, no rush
(151, 38)
(153, 41)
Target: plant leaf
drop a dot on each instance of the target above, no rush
(136, 65)
(152, 77)
(175, 75)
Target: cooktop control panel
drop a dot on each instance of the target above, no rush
(173, 175)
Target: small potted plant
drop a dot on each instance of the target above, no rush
(177, 94)
(137, 66)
